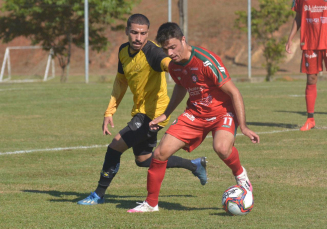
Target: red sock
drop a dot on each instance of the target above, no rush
(156, 174)
(310, 97)
(233, 162)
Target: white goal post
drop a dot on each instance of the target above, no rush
(6, 63)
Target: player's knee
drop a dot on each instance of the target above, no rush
(223, 150)
(312, 79)
(159, 155)
(143, 163)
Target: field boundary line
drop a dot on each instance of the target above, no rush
(100, 146)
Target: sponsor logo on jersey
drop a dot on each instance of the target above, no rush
(194, 69)
(206, 101)
(194, 91)
(195, 78)
(177, 70)
(189, 116)
(323, 19)
(315, 9)
(312, 20)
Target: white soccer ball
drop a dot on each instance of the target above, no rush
(237, 200)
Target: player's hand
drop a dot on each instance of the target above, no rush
(250, 134)
(154, 123)
(288, 47)
(106, 122)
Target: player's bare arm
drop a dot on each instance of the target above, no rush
(295, 27)
(106, 121)
(179, 93)
(237, 100)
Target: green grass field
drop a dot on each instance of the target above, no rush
(44, 169)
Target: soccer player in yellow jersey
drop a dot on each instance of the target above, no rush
(141, 67)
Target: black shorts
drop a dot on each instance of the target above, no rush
(137, 135)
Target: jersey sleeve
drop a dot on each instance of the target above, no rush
(296, 6)
(154, 55)
(118, 92)
(165, 63)
(120, 66)
(219, 74)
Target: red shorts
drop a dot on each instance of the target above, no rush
(193, 131)
(312, 61)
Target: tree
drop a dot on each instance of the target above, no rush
(57, 24)
(265, 22)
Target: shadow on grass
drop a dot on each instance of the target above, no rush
(272, 124)
(121, 201)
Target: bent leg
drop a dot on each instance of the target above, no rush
(223, 145)
(111, 164)
(167, 147)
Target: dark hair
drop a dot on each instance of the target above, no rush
(167, 31)
(139, 19)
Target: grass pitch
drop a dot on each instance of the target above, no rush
(44, 169)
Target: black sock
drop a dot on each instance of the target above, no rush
(109, 170)
(179, 162)
(310, 115)
(173, 162)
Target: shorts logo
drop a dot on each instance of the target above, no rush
(138, 124)
(179, 78)
(307, 64)
(313, 55)
(174, 122)
(194, 78)
(189, 116)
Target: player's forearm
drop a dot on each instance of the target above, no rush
(239, 109)
(295, 27)
(177, 97)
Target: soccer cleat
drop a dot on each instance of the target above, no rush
(308, 125)
(92, 199)
(143, 207)
(243, 180)
(200, 171)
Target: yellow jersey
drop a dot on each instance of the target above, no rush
(143, 72)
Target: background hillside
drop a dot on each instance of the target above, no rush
(210, 25)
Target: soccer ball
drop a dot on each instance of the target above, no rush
(237, 200)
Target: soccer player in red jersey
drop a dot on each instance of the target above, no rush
(311, 16)
(141, 67)
(214, 105)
